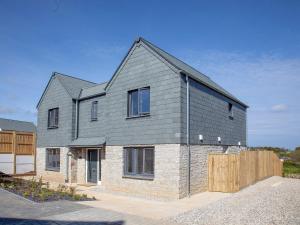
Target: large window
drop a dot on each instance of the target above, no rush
(53, 159)
(53, 118)
(139, 102)
(94, 111)
(139, 162)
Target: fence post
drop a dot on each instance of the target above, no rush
(34, 150)
(14, 144)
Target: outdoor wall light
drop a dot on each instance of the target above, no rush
(201, 137)
(219, 139)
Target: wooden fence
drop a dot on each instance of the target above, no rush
(232, 172)
(17, 152)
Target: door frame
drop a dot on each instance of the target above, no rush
(98, 166)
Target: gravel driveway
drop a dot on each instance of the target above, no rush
(272, 201)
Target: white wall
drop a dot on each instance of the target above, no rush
(7, 163)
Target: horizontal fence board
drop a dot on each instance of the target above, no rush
(232, 172)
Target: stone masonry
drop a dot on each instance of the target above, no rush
(165, 184)
(52, 176)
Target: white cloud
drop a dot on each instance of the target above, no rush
(279, 108)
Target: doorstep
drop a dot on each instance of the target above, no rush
(87, 185)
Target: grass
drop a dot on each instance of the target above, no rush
(39, 191)
(291, 168)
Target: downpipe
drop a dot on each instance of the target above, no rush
(69, 153)
(188, 134)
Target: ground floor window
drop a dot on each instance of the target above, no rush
(139, 161)
(53, 159)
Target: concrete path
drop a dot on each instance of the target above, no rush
(15, 210)
(152, 209)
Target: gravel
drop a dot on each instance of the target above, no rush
(273, 201)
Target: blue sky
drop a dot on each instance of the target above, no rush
(251, 48)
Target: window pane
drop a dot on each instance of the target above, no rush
(94, 110)
(133, 104)
(56, 117)
(129, 160)
(140, 159)
(53, 158)
(144, 100)
(149, 161)
(53, 117)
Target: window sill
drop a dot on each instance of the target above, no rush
(52, 170)
(139, 116)
(94, 120)
(137, 177)
(52, 127)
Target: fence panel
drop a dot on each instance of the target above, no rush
(232, 172)
(17, 152)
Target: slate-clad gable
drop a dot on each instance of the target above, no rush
(55, 96)
(145, 65)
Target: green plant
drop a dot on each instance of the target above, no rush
(62, 188)
(76, 197)
(72, 190)
(290, 167)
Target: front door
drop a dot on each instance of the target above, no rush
(92, 161)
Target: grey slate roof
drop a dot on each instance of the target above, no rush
(92, 91)
(88, 141)
(195, 74)
(16, 125)
(73, 85)
(80, 89)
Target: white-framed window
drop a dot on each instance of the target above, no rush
(53, 159)
(139, 162)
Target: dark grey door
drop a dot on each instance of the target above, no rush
(92, 165)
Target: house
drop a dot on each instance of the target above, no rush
(17, 147)
(139, 133)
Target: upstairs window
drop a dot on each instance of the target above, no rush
(94, 111)
(139, 162)
(230, 110)
(53, 118)
(139, 102)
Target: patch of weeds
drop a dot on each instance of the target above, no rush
(38, 191)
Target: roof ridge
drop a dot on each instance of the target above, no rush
(185, 68)
(96, 85)
(63, 85)
(77, 78)
(148, 43)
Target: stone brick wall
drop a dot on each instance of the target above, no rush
(51, 176)
(165, 184)
(80, 156)
(199, 166)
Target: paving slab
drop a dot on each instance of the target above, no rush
(152, 209)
